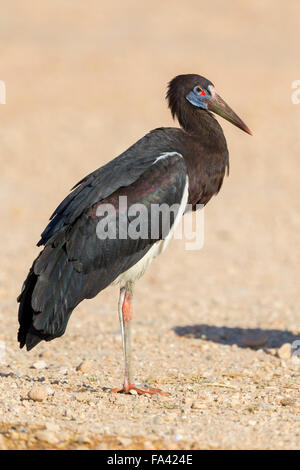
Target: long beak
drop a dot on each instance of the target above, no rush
(218, 106)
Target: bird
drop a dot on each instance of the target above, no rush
(182, 165)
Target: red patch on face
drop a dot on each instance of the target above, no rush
(202, 93)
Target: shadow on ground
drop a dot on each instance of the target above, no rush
(243, 337)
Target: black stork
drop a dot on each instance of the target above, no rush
(167, 166)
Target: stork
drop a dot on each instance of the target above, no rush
(183, 166)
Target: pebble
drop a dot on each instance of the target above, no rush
(39, 365)
(83, 439)
(38, 393)
(287, 402)
(285, 351)
(47, 436)
(157, 420)
(50, 390)
(254, 340)
(14, 409)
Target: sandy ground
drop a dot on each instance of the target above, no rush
(213, 327)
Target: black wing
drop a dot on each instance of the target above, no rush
(101, 183)
(75, 263)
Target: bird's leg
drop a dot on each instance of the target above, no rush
(125, 316)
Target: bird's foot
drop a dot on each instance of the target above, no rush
(141, 390)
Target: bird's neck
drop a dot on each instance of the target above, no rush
(198, 122)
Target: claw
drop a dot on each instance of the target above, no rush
(141, 390)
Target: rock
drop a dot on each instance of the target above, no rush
(49, 390)
(285, 351)
(39, 365)
(14, 409)
(157, 420)
(47, 436)
(287, 401)
(254, 340)
(38, 393)
(83, 439)
(85, 366)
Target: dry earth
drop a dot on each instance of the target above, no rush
(84, 81)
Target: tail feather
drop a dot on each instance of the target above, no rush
(46, 302)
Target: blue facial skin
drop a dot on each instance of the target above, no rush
(197, 100)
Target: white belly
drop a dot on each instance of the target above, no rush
(136, 271)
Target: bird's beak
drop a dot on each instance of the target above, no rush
(218, 106)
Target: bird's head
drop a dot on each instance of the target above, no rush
(186, 91)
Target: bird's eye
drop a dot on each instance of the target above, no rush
(200, 91)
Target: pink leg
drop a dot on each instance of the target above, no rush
(125, 315)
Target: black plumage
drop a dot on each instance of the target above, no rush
(75, 264)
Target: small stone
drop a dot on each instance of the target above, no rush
(157, 420)
(254, 340)
(285, 351)
(38, 393)
(49, 390)
(252, 422)
(85, 366)
(47, 436)
(39, 365)
(83, 439)
(178, 437)
(14, 409)
(287, 401)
